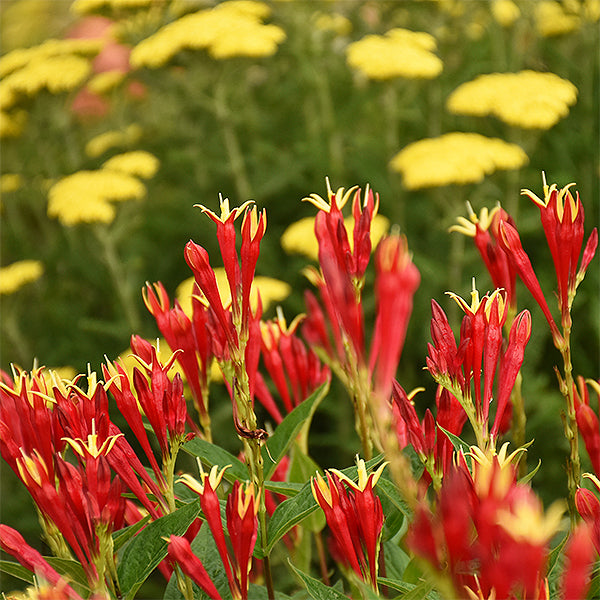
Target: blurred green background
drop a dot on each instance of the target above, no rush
(271, 128)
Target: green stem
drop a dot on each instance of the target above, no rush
(232, 143)
(570, 425)
(119, 277)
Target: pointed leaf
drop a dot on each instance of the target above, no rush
(214, 455)
(286, 432)
(317, 589)
(145, 551)
(527, 478)
(456, 441)
(121, 537)
(16, 570)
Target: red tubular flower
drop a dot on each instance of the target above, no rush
(562, 218)
(510, 241)
(579, 559)
(180, 552)
(396, 281)
(242, 525)
(12, 542)
(587, 420)
(355, 517)
(511, 362)
(588, 506)
(495, 541)
(484, 229)
(188, 338)
(295, 369)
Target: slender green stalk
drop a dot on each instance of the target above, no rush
(570, 423)
(232, 142)
(119, 277)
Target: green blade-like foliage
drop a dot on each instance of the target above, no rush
(145, 551)
(317, 589)
(278, 443)
(214, 455)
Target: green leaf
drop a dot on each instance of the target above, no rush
(214, 455)
(317, 589)
(456, 441)
(124, 535)
(390, 495)
(285, 488)
(527, 478)
(70, 570)
(286, 432)
(16, 570)
(148, 548)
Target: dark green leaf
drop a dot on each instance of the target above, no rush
(286, 432)
(214, 455)
(145, 551)
(527, 478)
(285, 488)
(317, 589)
(456, 441)
(124, 535)
(70, 569)
(16, 570)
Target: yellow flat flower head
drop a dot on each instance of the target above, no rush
(18, 274)
(138, 163)
(527, 99)
(455, 158)
(398, 53)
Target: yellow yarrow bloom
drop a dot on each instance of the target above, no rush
(299, 237)
(11, 124)
(506, 12)
(271, 290)
(21, 57)
(455, 158)
(527, 99)
(398, 53)
(105, 82)
(55, 73)
(139, 163)
(10, 182)
(84, 7)
(551, 19)
(85, 196)
(338, 24)
(229, 29)
(14, 276)
(111, 139)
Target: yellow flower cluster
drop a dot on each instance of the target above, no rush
(505, 12)
(12, 123)
(270, 290)
(551, 19)
(105, 82)
(85, 196)
(21, 57)
(84, 7)
(56, 65)
(10, 182)
(334, 22)
(527, 99)
(113, 139)
(229, 29)
(14, 276)
(455, 158)
(398, 53)
(299, 237)
(138, 163)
